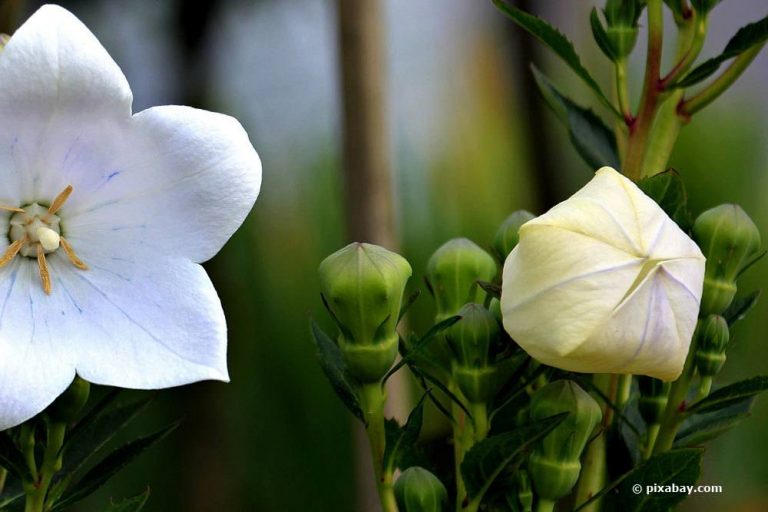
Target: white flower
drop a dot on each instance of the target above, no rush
(604, 282)
(106, 218)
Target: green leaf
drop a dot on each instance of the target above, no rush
(679, 467)
(701, 428)
(400, 440)
(747, 37)
(600, 35)
(487, 459)
(730, 395)
(704, 6)
(332, 364)
(740, 307)
(97, 429)
(12, 459)
(109, 466)
(593, 140)
(492, 289)
(668, 190)
(407, 304)
(134, 504)
(558, 43)
(417, 349)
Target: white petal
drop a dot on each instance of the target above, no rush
(138, 323)
(35, 367)
(182, 183)
(57, 81)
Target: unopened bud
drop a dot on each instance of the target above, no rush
(508, 234)
(730, 241)
(711, 341)
(653, 398)
(363, 285)
(554, 465)
(68, 405)
(418, 490)
(453, 272)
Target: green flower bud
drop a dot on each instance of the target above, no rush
(554, 465)
(363, 285)
(508, 234)
(69, 404)
(621, 18)
(453, 272)
(711, 341)
(418, 490)
(472, 337)
(653, 398)
(730, 241)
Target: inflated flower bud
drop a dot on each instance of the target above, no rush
(453, 272)
(418, 490)
(621, 17)
(604, 282)
(68, 405)
(711, 341)
(471, 339)
(363, 285)
(554, 465)
(730, 241)
(507, 236)
(653, 399)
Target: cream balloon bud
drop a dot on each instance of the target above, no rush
(604, 282)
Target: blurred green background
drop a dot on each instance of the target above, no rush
(471, 143)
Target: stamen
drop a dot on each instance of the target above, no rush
(71, 255)
(11, 208)
(60, 200)
(45, 276)
(12, 251)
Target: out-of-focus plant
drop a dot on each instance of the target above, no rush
(534, 368)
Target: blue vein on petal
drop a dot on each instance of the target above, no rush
(8, 295)
(134, 322)
(69, 296)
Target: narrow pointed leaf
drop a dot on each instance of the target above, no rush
(701, 428)
(109, 466)
(134, 504)
(490, 457)
(329, 356)
(412, 353)
(747, 37)
(600, 35)
(592, 139)
(740, 307)
(558, 43)
(730, 395)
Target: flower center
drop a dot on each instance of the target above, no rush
(35, 232)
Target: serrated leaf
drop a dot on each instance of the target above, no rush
(747, 37)
(109, 466)
(134, 504)
(730, 395)
(417, 349)
(12, 459)
(593, 140)
(668, 190)
(679, 467)
(600, 35)
(740, 307)
(701, 428)
(485, 461)
(558, 43)
(401, 439)
(97, 429)
(329, 356)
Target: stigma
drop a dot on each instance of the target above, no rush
(36, 232)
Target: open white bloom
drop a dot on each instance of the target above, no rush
(105, 218)
(604, 282)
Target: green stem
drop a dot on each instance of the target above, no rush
(650, 440)
(460, 446)
(622, 98)
(688, 56)
(641, 126)
(721, 84)
(593, 464)
(3, 476)
(705, 387)
(623, 391)
(372, 398)
(545, 505)
(52, 462)
(675, 411)
(479, 422)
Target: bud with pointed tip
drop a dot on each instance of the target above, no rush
(363, 285)
(730, 241)
(453, 272)
(712, 339)
(418, 490)
(508, 234)
(554, 465)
